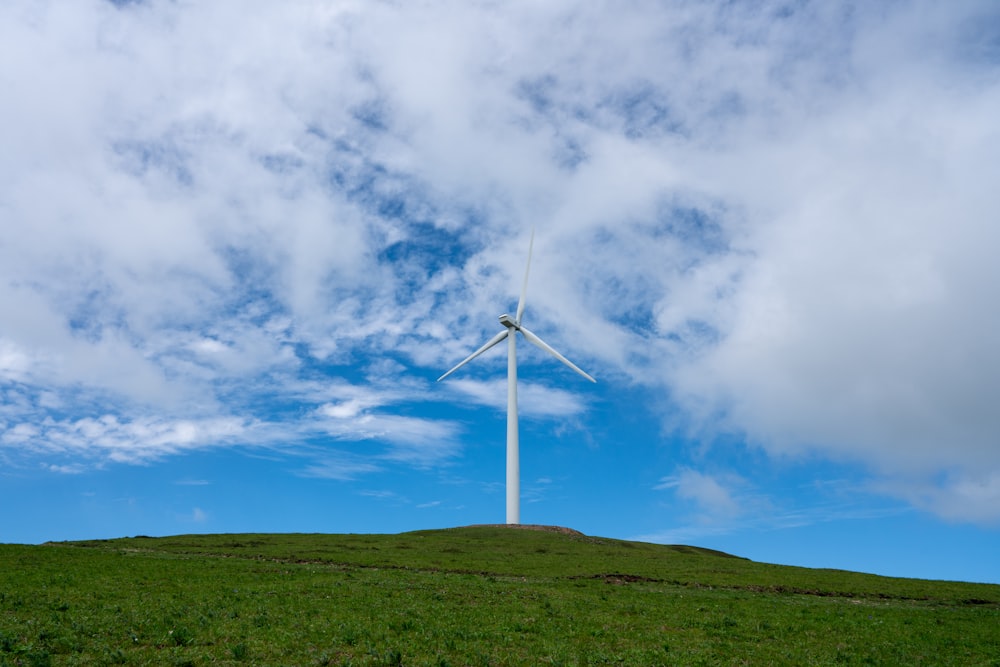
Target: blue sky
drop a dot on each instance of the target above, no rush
(242, 240)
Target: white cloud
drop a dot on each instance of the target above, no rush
(858, 328)
(135, 441)
(19, 433)
(192, 482)
(724, 503)
(13, 361)
(966, 497)
(343, 410)
(71, 469)
(383, 494)
(534, 400)
(714, 498)
(412, 439)
(339, 466)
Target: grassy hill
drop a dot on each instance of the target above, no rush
(482, 595)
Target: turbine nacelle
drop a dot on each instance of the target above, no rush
(509, 321)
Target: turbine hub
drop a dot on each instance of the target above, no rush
(508, 321)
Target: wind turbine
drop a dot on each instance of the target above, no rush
(511, 327)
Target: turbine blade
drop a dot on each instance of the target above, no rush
(490, 343)
(524, 285)
(542, 344)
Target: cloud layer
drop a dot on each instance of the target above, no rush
(779, 218)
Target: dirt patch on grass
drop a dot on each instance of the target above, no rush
(530, 526)
(619, 578)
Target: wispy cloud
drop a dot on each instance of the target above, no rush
(70, 469)
(713, 497)
(723, 503)
(339, 465)
(534, 400)
(964, 497)
(134, 441)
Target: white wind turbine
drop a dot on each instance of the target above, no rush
(511, 326)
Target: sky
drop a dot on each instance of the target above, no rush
(241, 240)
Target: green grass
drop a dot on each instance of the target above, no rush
(468, 596)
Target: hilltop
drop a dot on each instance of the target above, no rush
(485, 595)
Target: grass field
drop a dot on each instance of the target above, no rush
(467, 596)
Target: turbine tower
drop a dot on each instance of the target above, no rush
(511, 327)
